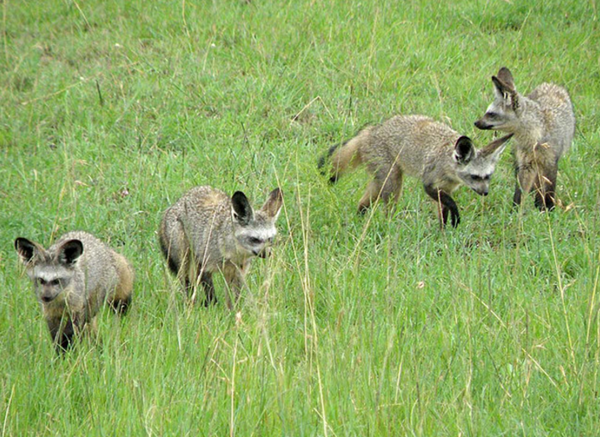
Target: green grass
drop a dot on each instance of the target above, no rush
(356, 326)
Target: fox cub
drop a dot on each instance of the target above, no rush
(543, 124)
(72, 279)
(420, 147)
(207, 231)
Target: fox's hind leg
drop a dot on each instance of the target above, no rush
(371, 195)
(121, 297)
(390, 192)
(386, 185)
(121, 304)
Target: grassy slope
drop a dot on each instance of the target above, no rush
(356, 326)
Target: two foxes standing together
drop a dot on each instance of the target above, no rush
(542, 125)
(206, 231)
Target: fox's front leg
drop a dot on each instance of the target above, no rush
(62, 332)
(517, 197)
(525, 179)
(234, 276)
(447, 205)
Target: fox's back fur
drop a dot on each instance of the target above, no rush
(97, 275)
(102, 274)
(199, 223)
(412, 143)
(554, 112)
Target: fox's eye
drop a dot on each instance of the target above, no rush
(42, 281)
(476, 177)
(55, 282)
(254, 240)
(492, 115)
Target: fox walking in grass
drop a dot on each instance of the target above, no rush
(543, 124)
(207, 231)
(421, 147)
(72, 279)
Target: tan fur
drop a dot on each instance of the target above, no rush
(420, 147)
(348, 156)
(124, 287)
(206, 231)
(71, 286)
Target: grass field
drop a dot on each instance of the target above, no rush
(356, 326)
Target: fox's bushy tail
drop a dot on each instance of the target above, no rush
(343, 157)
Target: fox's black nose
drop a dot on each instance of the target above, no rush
(47, 298)
(485, 193)
(261, 253)
(480, 124)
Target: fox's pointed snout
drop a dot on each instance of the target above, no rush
(481, 124)
(47, 298)
(265, 253)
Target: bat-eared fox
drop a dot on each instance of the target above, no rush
(543, 125)
(207, 231)
(73, 279)
(421, 147)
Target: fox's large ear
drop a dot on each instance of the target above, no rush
(506, 78)
(69, 252)
(241, 209)
(500, 88)
(506, 92)
(495, 148)
(26, 249)
(273, 205)
(463, 150)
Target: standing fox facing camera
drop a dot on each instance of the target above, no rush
(72, 279)
(543, 124)
(421, 147)
(207, 231)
